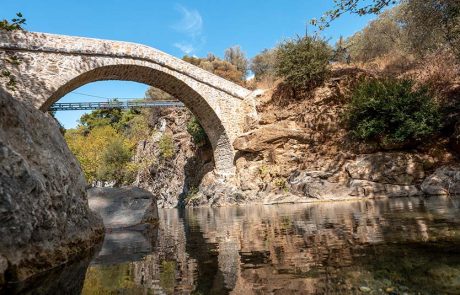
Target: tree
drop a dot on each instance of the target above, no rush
(11, 59)
(360, 7)
(158, 94)
(425, 19)
(341, 51)
(263, 64)
(380, 37)
(237, 57)
(102, 117)
(114, 160)
(218, 67)
(303, 62)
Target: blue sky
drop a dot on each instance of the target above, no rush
(184, 27)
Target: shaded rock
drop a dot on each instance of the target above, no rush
(387, 168)
(44, 213)
(444, 181)
(123, 207)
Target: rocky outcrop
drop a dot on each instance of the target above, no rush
(171, 179)
(444, 181)
(44, 213)
(123, 207)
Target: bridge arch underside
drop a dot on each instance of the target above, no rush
(197, 103)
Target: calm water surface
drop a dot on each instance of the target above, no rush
(398, 246)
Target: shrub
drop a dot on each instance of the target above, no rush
(304, 62)
(263, 64)
(197, 132)
(114, 160)
(391, 112)
(166, 146)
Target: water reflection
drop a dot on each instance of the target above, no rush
(399, 246)
(384, 247)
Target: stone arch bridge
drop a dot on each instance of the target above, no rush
(53, 65)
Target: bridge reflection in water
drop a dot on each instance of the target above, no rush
(394, 246)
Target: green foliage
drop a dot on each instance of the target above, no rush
(197, 132)
(5, 25)
(15, 24)
(391, 112)
(192, 194)
(98, 118)
(166, 145)
(303, 62)
(360, 7)
(115, 157)
(263, 64)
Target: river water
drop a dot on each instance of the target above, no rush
(396, 246)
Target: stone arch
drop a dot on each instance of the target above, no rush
(223, 151)
(53, 65)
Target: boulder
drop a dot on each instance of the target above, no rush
(444, 181)
(44, 212)
(387, 168)
(123, 207)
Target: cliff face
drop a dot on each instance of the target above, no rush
(300, 150)
(44, 213)
(171, 179)
(297, 150)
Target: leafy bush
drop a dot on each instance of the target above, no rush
(391, 112)
(166, 146)
(115, 157)
(304, 62)
(197, 132)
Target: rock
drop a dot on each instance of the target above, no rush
(45, 218)
(444, 181)
(314, 184)
(267, 136)
(364, 188)
(123, 207)
(365, 289)
(387, 168)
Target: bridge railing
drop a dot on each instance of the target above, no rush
(74, 106)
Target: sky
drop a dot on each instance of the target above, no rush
(193, 27)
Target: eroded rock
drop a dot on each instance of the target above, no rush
(387, 168)
(44, 213)
(123, 207)
(444, 181)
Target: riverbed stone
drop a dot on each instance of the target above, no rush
(123, 207)
(444, 181)
(387, 168)
(44, 212)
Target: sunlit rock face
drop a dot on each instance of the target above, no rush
(45, 218)
(123, 207)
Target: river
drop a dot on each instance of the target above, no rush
(395, 246)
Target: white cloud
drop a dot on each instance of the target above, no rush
(191, 22)
(186, 48)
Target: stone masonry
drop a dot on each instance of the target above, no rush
(54, 65)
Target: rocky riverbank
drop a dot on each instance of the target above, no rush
(297, 150)
(44, 213)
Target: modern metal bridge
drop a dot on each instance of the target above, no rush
(114, 104)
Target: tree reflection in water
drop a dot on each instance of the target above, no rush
(394, 246)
